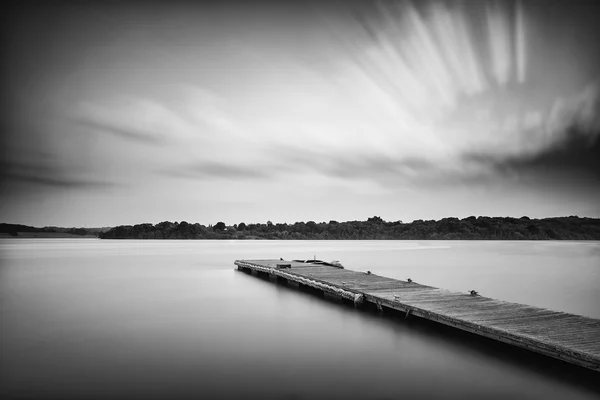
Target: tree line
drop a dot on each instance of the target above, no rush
(374, 228)
(14, 229)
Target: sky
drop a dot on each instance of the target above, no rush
(132, 112)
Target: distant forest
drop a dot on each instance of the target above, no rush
(17, 230)
(375, 228)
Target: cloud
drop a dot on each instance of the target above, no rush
(574, 154)
(41, 173)
(521, 42)
(188, 119)
(417, 76)
(370, 168)
(573, 158)
(373, 167)
(568, 141)
(60, 182)
(580, 113)
(116, 129)
(563, 140)
(572, 123)
(203, 107)
(500, 45)
(218, 170)
(139, 119)
(426, 58)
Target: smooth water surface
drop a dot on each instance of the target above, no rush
(172, 319)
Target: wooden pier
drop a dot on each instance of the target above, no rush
(568, 337)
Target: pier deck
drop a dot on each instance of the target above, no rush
(568, 337)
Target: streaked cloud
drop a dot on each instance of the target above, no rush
(49, 175)
(119, 130)
(521, 43)
(429, 60)
(138, 119)
(455, 43)
(499, 42)
(394, 110)
(204, 108)
(217, 170)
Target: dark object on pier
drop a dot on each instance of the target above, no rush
(334, 263)
(473, 293)
(409, 280)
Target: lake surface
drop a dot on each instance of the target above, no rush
(173, 319)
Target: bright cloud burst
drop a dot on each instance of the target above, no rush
(433, 82)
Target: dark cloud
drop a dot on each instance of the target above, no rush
(568, 144)
(207, 169)
(60, 182)
(576, 154)
(571, 158)
(37, 173)
(122, 131)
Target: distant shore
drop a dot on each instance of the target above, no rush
(45, 235)
(374, 228)
(16, 231)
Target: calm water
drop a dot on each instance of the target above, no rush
(171, 319)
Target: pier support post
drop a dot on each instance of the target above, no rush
(262, 274)
(293, 284)
(331, 296)
(379, 307)
(358, 301)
